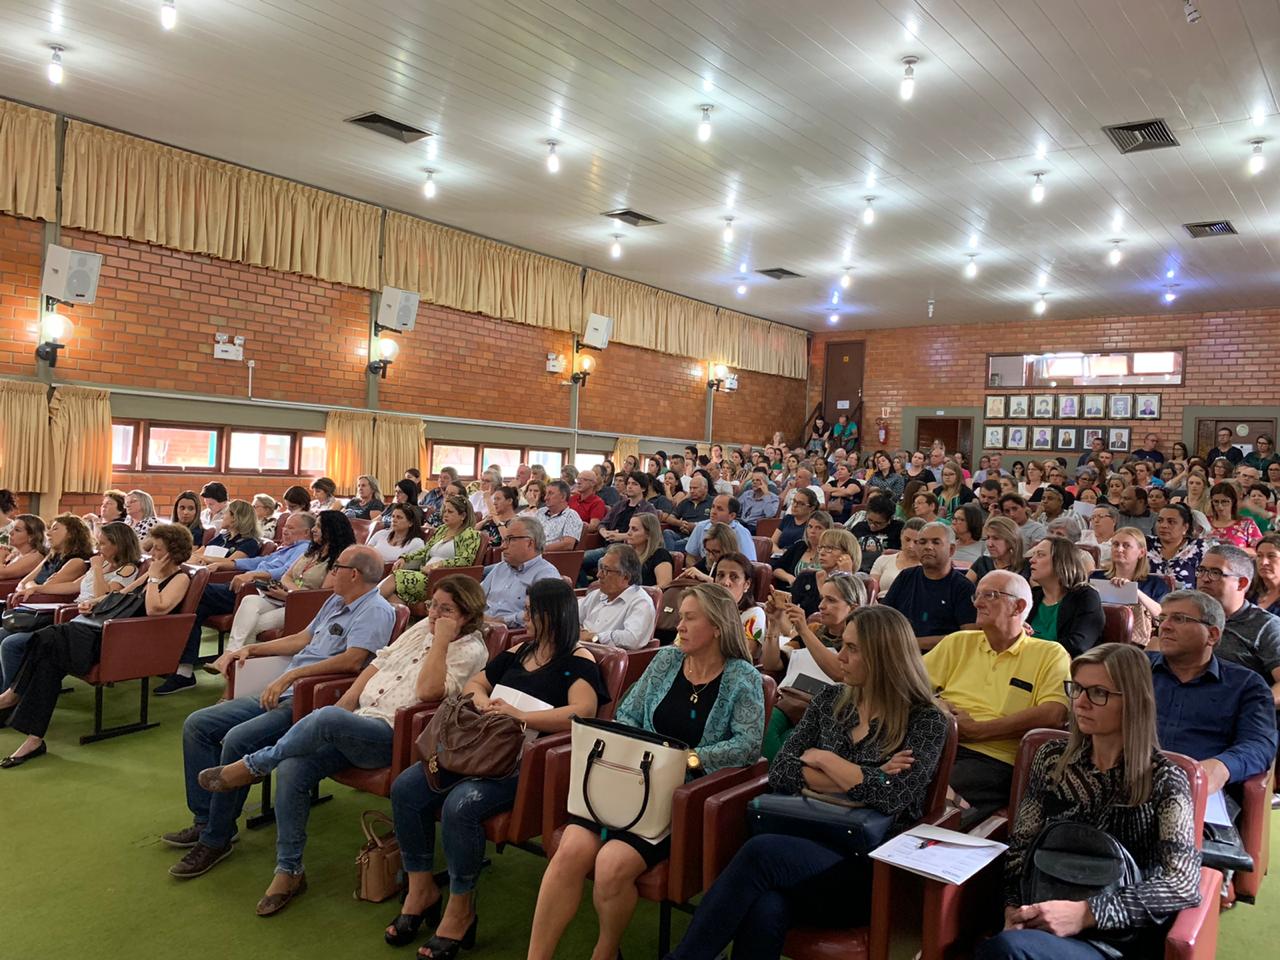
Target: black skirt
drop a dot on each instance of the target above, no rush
(651, 853)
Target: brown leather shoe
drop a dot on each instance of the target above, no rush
(224, 779)
(273, 903)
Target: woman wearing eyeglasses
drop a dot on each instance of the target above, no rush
(1225, 521)
(1110, 774)
(837, 550)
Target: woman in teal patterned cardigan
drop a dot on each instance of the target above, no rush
(455, 543)
(704, 692)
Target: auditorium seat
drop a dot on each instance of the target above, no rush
(1118, 623)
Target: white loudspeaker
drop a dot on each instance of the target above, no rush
(399, 309)
(599, 330)
(71, 275)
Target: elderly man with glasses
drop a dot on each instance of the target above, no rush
(1250, 635)
(999, 683)
(506, 583)
(619, 613)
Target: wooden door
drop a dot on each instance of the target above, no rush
(955, 432)
(1207, 433)
(842, 388)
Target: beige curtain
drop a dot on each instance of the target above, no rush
(466, 272)
(623, 448)
(24, 436)
(80, 443)
(28, 165)
(349, 447)
(645, 316)
(122, 186)
(763, 346)
(399, 443)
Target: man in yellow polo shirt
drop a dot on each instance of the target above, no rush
(999, 683)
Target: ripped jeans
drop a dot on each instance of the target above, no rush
(463, 811)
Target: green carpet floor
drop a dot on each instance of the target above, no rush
(86, 873)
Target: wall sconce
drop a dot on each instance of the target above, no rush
(386, 349)
(719, 376)
(55, 328)
(586, 366)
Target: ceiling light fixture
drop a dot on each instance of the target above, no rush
(1169, 295)
(1257, 162)
(1042, 150)
(742, 289)
(834, 318)
(1043, 279)
(1170, 273)
(1259, 115)
(1192, 14)
(704, 126)
(429, 186)
(971, 268)
(1037, 189)
(168, 14)
(973, 240)
(907, 88)
(835, 297)
(1041, 306)
(871, 179)
(868, 212)
(727, 234)
(55, 65)
(846, 278)
(615, 249)
(553, 158)
(742, 267)
(1117, 221)
(1116, 254)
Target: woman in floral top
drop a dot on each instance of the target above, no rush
(1173, 552)
(455, 543)
(140, 512)
(875, 740)
(1224, 517)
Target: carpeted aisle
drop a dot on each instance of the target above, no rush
(86, 873)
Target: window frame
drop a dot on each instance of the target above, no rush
(135, 455)
(477, 465)
(223, 432)
(295, 452)
(299, 436)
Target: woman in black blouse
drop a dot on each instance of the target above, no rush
(874, 739)
(550, 667)
(186, 513)
(1110, 774)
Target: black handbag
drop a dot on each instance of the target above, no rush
(852, 831)
(21, 620)
(1075, 861)
(118, 606)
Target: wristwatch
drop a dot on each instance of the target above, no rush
(694, 763)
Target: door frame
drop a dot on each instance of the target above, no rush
(910, 426)
(832, 413)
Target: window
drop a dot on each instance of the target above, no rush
(124, 445)
(182, 448)
(312, 458)
(461, 458)
(1075, 369)
(585, 461)
(551, 460)
(260, 452)
(506, 459)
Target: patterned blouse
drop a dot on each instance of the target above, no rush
(902, 794)
(466, 544)
(1159, 834)
(398, 665)
(893, 485)
(1242, 533)
(1184, 564)
(142, 527)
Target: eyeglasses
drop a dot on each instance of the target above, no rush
(602, 569)
(517, 536)
(992, 594)
(341, 566)
(1178, 620)
(1097, 695)
(1211, 574)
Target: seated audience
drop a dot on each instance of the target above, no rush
(296, 499)
(455, 543)
(110, 511)
(140, 512)
(1103, 523)
(507, 582)
(1034, 479)
(725, 510)
(214, 497)
(704, 692)
(1174, 552)
(989, 494)
(322, 495)
(1250, 635)
(804, 481)
(875, 739)
(878, 530)
(791, 529)
(689, 512)
(405, 491)
(841, 492)
(1265, 591)
(186, 513)
(613, 528)
(65, 562)
(482, 498)
(550, 666)
(757, 502)
(734, 572)
(357, 730)
(1128, 564)
(353, 624)
(74, 647)
(1135, 510)
(1055, 501)
(888, 565)
(1004, 550)
(1063, 605)
(1112, 744)
(1016, 509)
(368, 499)
(644, 535)
(238, 537)
(26, 549)
(1228, 526)
(433, 498)
(561, 523)
(505, 500)
(837, 551)
(998, 682)
(1209, 708)
(610, 492)
(967, 520)
(935, 597)
(619, 612)
(925, 506)
(586, 502)
(264, 508)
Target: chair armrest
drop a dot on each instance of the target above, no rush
(687, 824)
(527, 810)
(328, 692)
(1255, 832)
(724, 825)
(555, 789)
(1194, 934)
(134, 647)
(409, 723)
(66, 613)
(954, 915)
(304, 691)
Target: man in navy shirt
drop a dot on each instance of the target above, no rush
(1214, 711)
(935, 597)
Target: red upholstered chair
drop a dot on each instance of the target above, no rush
(956, 915)
(764, 548)
(1118, 623)
(591, 540)
(678, 879)
(725, 831)
(361, 529)
(209, 534)
(222, 622)
(873, 592)
(139, 648)
(766, 528)
(761, 581)
(1255, 832)
(567, 562)
(299, 610)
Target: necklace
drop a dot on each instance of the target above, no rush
(697, 687)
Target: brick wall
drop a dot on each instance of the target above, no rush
(20, 248)
(1229, 361)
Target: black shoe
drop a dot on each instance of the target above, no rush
(9, 762)
(175, 683)
(446, 948)
(188, 837)
(406, 924)
(198, 861)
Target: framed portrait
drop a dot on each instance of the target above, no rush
(1118, 439)
(1066, 438)
(1042, 438)
(1068, 405)
(1095, 405)
(1089, 434)
(1043, 409)
(1017, 438)
(993, 438)
(1120, 406)
(1147, 406)
(996, 407)
(1019, 406)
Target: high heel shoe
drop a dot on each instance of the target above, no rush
(446, 948)
(407, 925)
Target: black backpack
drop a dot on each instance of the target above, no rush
(1075, 861)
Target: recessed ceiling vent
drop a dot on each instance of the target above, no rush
(780, 273)
(1210, 228)
(389, 128)
(1143, 135)
(632, 218)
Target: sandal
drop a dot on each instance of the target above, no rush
(406, 925)
(446, 948)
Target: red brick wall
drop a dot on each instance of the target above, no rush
(20, 248)
(1229, 361)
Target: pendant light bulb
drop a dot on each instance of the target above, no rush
(55, 66)
(834, 318)
(553, 159)
(1257, 162)
(1041, 306)
(907, 88)
(971, 268)
(429, 186)
(727, 235)
(1116, 255)
(168, 14)
(704, 125)
(742, 289)
(1169, 295)
(846, 278)
(615, 250)
(868, 213)
(1037, 189)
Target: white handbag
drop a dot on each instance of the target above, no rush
(624, 777)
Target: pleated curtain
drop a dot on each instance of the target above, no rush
(24, 436)
(80, 444)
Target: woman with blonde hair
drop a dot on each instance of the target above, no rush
(368, 499)
(455, 543)
(644, 534)
(1063, 605)
(720, 540)
(874, 739)
(838, 549)
(1129, 564)
(1197, 497)
(703, 691)
(1004, 550)
(238, 538)
(1108, 774)
(140, 512)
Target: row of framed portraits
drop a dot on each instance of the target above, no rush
(1118, 439)
(1091, 406)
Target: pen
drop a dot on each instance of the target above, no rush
(924, 844)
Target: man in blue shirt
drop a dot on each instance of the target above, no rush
(433, 498)
(935, 597)
(758, 503)
(724, 509)
(1214, 711)
(220, 598)
(506, 583)
(352, 625)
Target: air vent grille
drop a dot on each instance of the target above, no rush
(1210, 228)
(1143, 135)
(389, 128)
(633, 218)
(780, 273)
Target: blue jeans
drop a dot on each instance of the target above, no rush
(318, 745)
(13, 646)
(221, 734)
(217, 598)
(673, 541)
(590, 561)
(772, 884)
(1035, 945)
(464, 809)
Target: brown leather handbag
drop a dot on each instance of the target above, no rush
(460, 742)
(378, 865)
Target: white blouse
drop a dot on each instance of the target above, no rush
(381, 541)
(399, 664)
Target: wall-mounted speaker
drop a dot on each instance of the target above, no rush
(71, 275)
(599, 330)
(398, 309)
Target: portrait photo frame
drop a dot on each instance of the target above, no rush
(1042, 438)
(1118, 439)
(1019, 406)
(1017, 438)
(1068, 406)
(996, 407)
(1042, 409)
(1095, 405)
(1119, 406)
(993, 438)
(1146, 406)
(1066, 439)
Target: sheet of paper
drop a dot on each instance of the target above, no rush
(927, 832)
(938, 854)
(215, 553)
(521, 701)
(1109, 593)
(254, 674)
(801, 662)
(1215, 810)
(41, 606)
(1083, 509)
